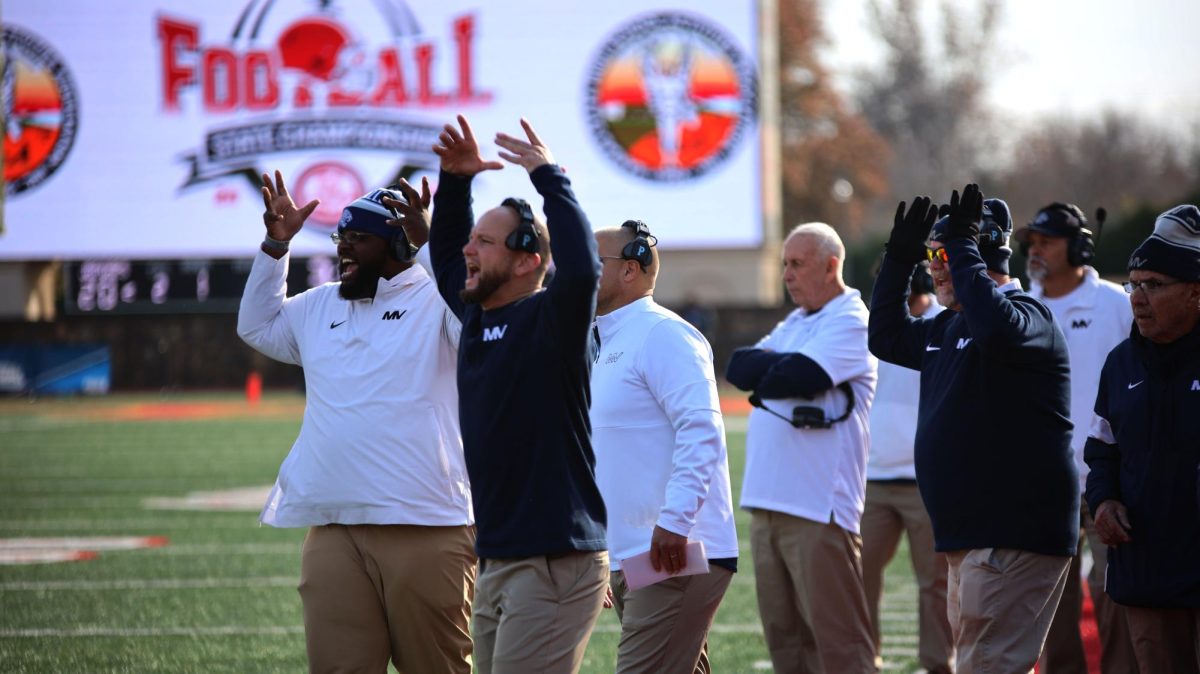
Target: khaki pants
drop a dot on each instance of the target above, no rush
(535, 614)
(1001, 602)
(810, 595)
(1064, 645)
(664, 627)
(373, 593)
(1165, 641)
(894, 509)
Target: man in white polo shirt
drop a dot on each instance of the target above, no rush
(661, 463)
(387, 571)
(812, 380)
(1095, 316)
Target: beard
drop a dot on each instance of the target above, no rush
(362, 284)
(1037, 269)
(486, 286)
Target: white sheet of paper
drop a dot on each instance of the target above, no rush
(639, 572)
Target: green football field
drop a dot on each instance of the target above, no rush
(218, 594)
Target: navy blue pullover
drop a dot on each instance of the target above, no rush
(1150, 398)
(993, 444)
(523, 383)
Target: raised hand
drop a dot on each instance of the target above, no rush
(282, 218)
(966, 214)
(906, 244)
(531, 154)
(460, 151)
(414, 212)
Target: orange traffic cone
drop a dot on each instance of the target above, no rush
(253, 388)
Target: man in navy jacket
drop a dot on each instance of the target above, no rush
(1144, 451)
(524, 364)
(992, 449)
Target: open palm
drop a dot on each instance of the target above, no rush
(459, 151)
(282, 218)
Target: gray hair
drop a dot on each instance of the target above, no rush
(826, 238)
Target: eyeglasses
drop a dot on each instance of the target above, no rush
(602, 258)
(350, 236)
(1150, 286)
(939, 253)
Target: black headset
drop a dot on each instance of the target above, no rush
(1081, 249)
(806, 416)
(524, 237)
(639, 250)
(398, 245)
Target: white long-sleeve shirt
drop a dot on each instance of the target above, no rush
(1095, 317)
(894, 419)
(807, 472)
(658, 433)
(380, 441)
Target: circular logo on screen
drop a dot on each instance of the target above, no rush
(335, 184)
(41, 110)
(669, 96)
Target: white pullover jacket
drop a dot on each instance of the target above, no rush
(658, 433)
(380, 440)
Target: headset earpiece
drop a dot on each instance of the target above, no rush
(398, 244)
(524, 238)
(639, 250)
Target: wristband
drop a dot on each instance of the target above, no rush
(275, 244)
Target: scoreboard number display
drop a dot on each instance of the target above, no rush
(116, 286)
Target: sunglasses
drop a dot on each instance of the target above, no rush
(939, 253)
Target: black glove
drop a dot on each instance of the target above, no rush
(906, 245)
(965, 215)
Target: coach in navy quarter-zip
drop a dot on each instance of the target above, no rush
(1144, 451)
(992, 449)
(523, 370)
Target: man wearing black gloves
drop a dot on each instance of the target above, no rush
(1003, 496)
(523, 370)
(1144, 451)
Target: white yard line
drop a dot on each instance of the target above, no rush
(217, 631)
(170, 519)
(149, 583)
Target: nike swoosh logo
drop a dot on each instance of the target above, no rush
(1133, 386)
(334, 325)
(932, 348)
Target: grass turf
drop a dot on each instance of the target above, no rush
(220, 597)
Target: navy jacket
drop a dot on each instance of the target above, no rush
(523, 383)
(993, 444)
(1144, 451)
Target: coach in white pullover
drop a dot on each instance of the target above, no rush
(377, 473)
(661, 463)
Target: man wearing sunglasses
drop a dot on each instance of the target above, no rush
(1144, 451)
(377, 473)
(992, 449)
(1094, 315)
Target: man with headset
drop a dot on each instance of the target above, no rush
(523, 369)
(812, 380)
(660, 460)
(1095, 316)
(1003, 495)
(387, 570)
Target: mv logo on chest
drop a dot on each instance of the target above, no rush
(963, 342)
(1080, 323)
(394, 315)
(494, 333)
